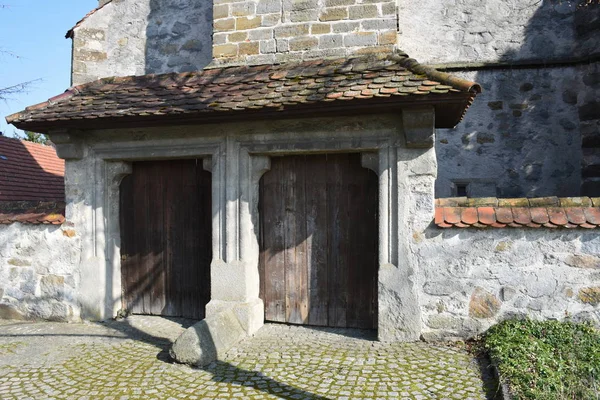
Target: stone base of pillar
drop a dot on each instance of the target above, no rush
(251, 314)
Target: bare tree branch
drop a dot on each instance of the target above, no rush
(23, 87)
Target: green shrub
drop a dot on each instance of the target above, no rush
(547, 360)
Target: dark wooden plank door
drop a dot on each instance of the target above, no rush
(318, 259)
(166, 225)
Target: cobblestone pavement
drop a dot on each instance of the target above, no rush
(129, 360)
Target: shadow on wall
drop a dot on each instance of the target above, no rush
(179, 36)
(523, 136)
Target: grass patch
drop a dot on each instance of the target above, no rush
(547, 360)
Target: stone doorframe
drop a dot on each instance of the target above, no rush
(237, 162)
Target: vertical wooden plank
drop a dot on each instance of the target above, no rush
(362, 188)
(316, 239)
(295, 242)
(355, 193)
(372, 258)
(337, 234)
(289, 232)
(155, 298)
(126, 221)
(273, 222)
(205, 233)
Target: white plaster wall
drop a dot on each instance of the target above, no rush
(39, 272)
(526, 272)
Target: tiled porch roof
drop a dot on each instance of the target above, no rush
(32, 212)
(546, 212)
(308, 86)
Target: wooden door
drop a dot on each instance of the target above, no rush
(318, 259)
(165, 211)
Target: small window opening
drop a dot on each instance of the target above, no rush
(461, 189)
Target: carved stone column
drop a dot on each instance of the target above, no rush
(234, 270)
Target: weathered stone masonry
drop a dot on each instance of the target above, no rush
(536, 62)
(433, 283)
(268, 31)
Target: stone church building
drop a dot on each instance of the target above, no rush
(278, 160)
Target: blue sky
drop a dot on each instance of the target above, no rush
(34, 30)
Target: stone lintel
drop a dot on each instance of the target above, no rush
(419, 127)
(68, 146)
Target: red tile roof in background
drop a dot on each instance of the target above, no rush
(30, 172)
(546, 212)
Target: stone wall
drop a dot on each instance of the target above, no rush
(522, 136)
(538, 65)
(38, 272)
(470, 279)
(507, 31)
(128, 37)
(267, 31)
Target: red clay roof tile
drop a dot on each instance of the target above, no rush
(539, 215)
(521, 215)
(504, 215)
(487, 215)
(542, 212)
(452, 215)
(557, 216)
(469, 216)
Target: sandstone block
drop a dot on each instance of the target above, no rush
(334, 14)
(483, 304)
(271, 19)
(248, 48)
(237, 37)
(243, 9)
(388, 9)
(337, 3)
(387, 37)
(303, 43)
(318, 29)
(330, 41)
(343, 27)
(304, 16)
(360, 39)
(247, 23)
(291, 31)
(268, 46)
(585, 261)
(10, 312)
(225, 50)
(221, 25)
(221, 11)
(590, 295)
(363, 11)
(268, 6)
(379, 24)
(208, 340)
(260, 34)
(304, 5)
